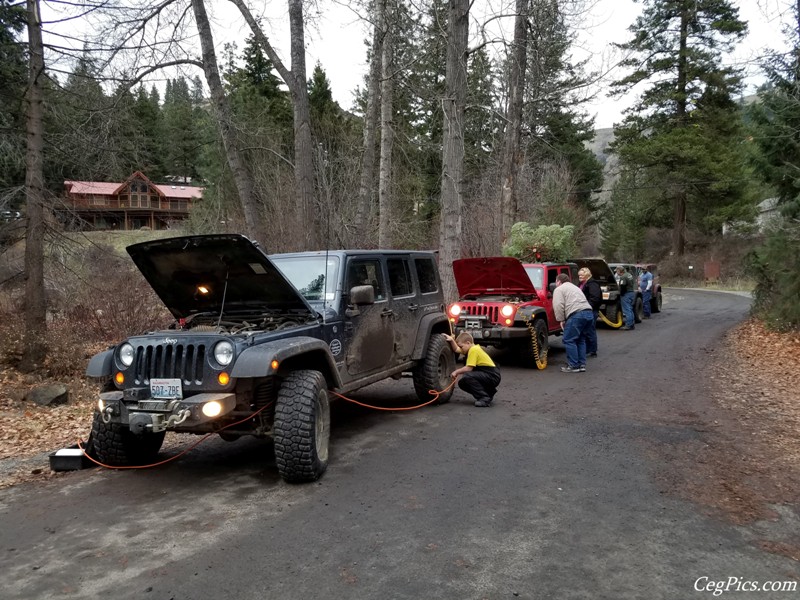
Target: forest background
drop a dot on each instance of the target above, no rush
(452, 139)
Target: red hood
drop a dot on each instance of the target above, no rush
(491, 275)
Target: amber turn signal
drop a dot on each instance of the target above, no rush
(223, 378)
(119, 378)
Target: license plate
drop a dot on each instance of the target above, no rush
(166, 388)
(472, 324)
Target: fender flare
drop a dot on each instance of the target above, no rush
(100, 364)
(530, 313)
(425, 330)
(256, 360)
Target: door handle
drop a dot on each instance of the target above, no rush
(413, 307)
(387, 313)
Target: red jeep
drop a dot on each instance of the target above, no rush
(504, 303)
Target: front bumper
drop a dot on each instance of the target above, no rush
(149, 415)
(493, 334)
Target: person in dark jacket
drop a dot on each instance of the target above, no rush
(594, 296)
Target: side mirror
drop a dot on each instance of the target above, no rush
(360, 295)
(552, 287)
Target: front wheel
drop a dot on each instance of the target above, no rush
(612, 315)
(302, 427)
(534, 349)
(433, 371)
(638, 309)
(114, 444)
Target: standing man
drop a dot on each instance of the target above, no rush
(646, 285)
(594, 296)
(627, 292)
(575, 315)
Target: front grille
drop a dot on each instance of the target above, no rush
(178, 361)
(492, 312)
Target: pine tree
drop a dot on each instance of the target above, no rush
(683, 133)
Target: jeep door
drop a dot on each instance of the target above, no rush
(405, 304)
(369, 334)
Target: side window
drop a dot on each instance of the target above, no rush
(366, 272)
(399, 277)
(551, 277)
(426, 274)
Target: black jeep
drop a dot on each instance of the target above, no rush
(259, 341)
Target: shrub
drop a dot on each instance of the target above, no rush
(776, 267)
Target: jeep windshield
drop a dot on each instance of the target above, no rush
(536, 275)
(314, 277)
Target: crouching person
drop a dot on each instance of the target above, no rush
(480, 376)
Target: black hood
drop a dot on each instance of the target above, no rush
(199, 273)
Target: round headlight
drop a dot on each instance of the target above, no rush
(126, 353)
(507, 310)
(223, 353)
(455, 310)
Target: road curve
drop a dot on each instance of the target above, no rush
(555, 492)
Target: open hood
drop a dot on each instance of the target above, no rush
(600, 269)
(209, 273)
(491, 275)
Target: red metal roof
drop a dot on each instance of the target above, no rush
(110, 189)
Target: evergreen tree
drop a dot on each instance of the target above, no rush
(556, 127)
(776, 123)
(683, 134)
(181, 137)
(13, 75)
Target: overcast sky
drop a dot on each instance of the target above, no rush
(338, 44)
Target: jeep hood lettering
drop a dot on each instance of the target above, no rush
(199, 273)
(491, 275)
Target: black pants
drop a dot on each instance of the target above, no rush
(481, 382)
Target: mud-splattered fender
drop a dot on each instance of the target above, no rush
(100, 364)
(295, 353)
(429, 324)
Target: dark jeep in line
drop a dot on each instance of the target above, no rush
(259, 341)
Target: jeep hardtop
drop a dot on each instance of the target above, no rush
(505, 303)
(259, 341)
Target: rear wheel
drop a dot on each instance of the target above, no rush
(114, 444)
(433, 371)
(536, 356)
(302, 427)
(655, 303)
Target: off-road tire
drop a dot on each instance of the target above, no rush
(529, 359)
(433, 371)
(638, 309)
(302, 427)
(656, 302)
(114, 444)
(613, 312)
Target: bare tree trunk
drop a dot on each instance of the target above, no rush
(34, 346)
(387, 135)
(242, 177)
(295, 80)
(367, 183)
(453, 144)
(303, 142)
(511, 142)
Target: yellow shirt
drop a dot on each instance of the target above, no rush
(477, 357)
